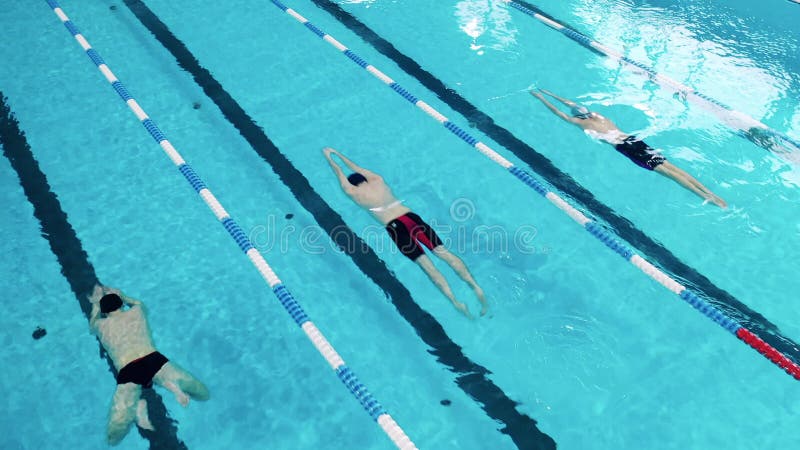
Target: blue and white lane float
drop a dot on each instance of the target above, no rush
(594, 228)
(779, 143)
(345, 374)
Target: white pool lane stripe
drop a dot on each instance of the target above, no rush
(594, 228)
(727, 115)
(358, 390)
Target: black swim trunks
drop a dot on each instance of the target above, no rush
(141, 371)
(408, 231)
(639, 152)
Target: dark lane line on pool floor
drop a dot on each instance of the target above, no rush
(74, 261)
(472, 378)
(562, 181)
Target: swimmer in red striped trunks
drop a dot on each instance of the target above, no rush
(408, 230)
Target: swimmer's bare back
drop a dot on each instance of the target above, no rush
(125, 334)
(375, 195)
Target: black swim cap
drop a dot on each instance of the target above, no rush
(109, 303)
(356, 178)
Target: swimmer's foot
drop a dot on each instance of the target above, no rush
(180, 396)
(482, 299)
(711, 198)
(183, 399)
(142, 419)
(463, 308)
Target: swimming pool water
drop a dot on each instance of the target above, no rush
(596, 353)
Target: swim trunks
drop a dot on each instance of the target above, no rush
(408, 231)
(640, 153)
(141, 371)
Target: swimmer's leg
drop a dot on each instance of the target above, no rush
(438, 279)
(180, 396)
(142, 419)
(680, 176)
(181, 383)
(461, 269)
(713, 198)
(123, 411)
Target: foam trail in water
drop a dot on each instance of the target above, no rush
(531, 86)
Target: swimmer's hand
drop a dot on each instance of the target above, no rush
(463, 308)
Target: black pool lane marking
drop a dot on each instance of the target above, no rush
(472, 378)
(74, 261)
(623, 227)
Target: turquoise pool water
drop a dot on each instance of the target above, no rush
(599, 355)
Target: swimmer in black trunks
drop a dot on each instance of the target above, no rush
(407, 229)
(126, 337)
(644, 156)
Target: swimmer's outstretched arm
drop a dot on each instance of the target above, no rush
(353, 166)
(97, 294)
(346, 186)
(94, 316)
(94, 299)
(563, 100)
(130, 301)
(552, 107)
(125, 299)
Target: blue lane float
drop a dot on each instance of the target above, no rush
(592, 227)
(744, 125)
(290, 304)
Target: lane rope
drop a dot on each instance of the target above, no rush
(594, 228)
(345, 374)
(745, 126)
(562, 182)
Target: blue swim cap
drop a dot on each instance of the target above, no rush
(581, 112)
